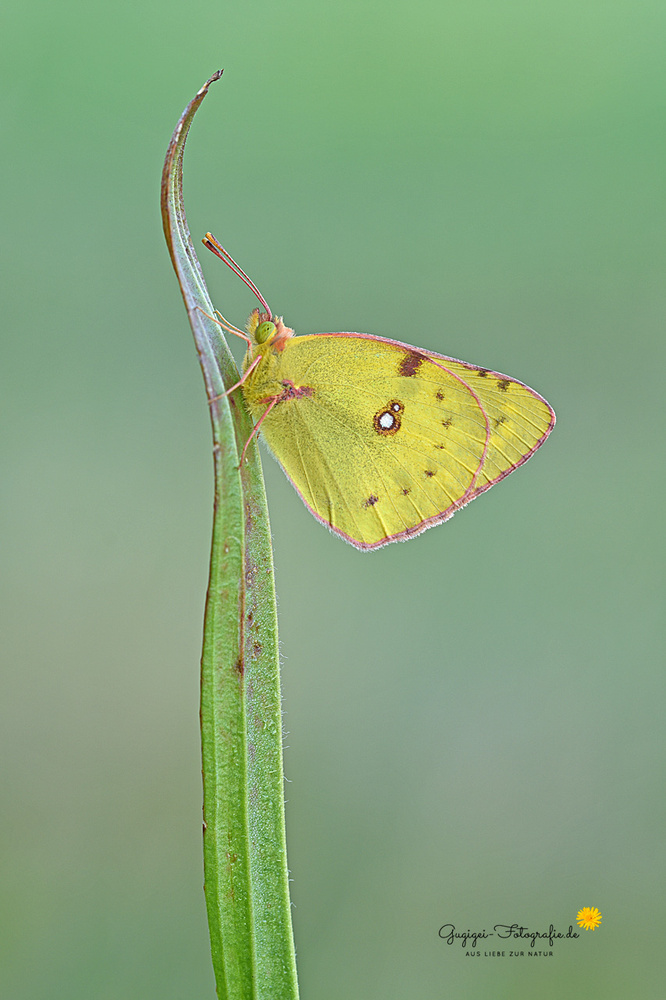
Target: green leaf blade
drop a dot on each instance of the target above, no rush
(245, 866)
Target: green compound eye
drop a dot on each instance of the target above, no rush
(264, 332)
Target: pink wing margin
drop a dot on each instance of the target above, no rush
(472, 491)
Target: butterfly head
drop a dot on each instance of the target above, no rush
(266, 329)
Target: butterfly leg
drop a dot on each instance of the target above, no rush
(226, 325)
(254, 364)
(258, 424)
(241, 380)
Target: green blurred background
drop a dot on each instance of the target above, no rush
(474, 718)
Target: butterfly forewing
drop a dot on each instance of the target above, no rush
(382, 439)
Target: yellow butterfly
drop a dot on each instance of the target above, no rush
(380, 439)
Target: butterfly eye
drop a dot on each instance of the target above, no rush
(264, 332)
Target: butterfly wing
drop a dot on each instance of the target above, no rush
(383, 440)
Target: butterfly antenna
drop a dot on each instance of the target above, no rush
(215, 247)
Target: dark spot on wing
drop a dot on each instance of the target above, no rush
(439, 395)
(405, 491)
(503, 384)
(429, 473)
(440, 446)
(499, 420)
(482, 372)
(410, 364)
(387, 420)
(447, 422)
(371, 501)
(291, 391)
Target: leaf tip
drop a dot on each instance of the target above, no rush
(213, 79)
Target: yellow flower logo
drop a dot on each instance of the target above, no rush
(589, 918)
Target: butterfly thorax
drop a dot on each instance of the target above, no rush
(268, 381)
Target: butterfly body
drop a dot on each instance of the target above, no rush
(381, 439)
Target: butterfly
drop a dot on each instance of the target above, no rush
(380, 439)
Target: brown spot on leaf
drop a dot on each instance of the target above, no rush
(410, 364)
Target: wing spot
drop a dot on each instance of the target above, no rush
(410, 364)
(482, 372)
(440, 446)
(429, 473)
(447, 423)
(439, 395)
(291, 391)
(371, 501)
(499, 420)
(503, 384)
(387, 420)
(405, 491)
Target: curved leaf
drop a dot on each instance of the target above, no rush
(245, 865)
